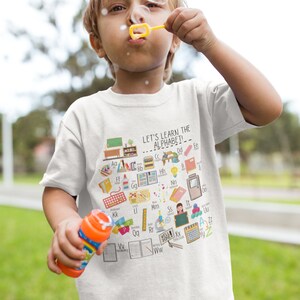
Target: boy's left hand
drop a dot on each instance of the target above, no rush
(191, 26)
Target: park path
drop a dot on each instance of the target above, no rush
(268, 221)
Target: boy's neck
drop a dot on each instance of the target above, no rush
(138, 83)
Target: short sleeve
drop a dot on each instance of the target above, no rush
(66, 169)
(225, 112)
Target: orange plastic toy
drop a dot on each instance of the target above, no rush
(94, 230)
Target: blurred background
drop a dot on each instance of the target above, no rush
(47, 63)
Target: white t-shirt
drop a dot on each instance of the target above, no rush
(149, 161)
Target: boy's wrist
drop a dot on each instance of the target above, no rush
(209, 48)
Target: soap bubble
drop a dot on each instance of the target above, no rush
(128, 53)
(123, 27)
(147, 82)
(104, 11)
(139, 14)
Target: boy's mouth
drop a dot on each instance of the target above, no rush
(137, 41)
(136, 37)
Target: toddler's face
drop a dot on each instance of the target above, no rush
(125, 53)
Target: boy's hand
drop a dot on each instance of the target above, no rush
(66, 245)
(191, 26)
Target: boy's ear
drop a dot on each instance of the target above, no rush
(175, 44)
(97, 45)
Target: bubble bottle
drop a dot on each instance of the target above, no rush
(94, 229)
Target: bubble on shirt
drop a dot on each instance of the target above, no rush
(147, 82)
(104, 11)
(128, 53)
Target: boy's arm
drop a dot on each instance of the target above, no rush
(58, 205)
(259, 102)
(61, 212)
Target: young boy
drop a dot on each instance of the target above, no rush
(142, 146)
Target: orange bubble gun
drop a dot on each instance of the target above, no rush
(145, 28)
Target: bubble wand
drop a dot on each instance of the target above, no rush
(147, 30)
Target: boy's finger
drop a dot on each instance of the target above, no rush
(72, 234)
(66, 252)
(66, 260)
(101, 248)
(172, 17)
(51, 263)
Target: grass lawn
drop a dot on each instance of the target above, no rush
(25, 238)
(261, 270)
(265, 270)
(284, 181)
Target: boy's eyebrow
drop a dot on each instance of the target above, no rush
(107, 2)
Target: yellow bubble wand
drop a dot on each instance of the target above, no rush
(146, 30)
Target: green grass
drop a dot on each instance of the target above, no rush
(33, 178)
(262, 200)
(264, 270)
(284, 181)
(25, 240)
(261, 270)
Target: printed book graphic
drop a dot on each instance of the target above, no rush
(152, 187)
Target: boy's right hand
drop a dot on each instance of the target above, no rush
(191, 26)
(66, 245)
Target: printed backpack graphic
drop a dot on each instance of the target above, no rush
(152, 187)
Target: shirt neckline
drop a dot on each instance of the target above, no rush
(137, 100)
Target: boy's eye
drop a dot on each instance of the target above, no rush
(152, 4)
(156, 3)
(117, 8)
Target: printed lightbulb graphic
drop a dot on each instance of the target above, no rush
(174, 171)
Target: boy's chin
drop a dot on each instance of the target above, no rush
(136, 67)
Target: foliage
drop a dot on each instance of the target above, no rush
(1, 134)
(28, 132)
(280, 136)
(257, 265)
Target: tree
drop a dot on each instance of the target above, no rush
(281, 136)
(28, 131)
(1, 138)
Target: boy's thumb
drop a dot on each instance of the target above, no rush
(101, 248)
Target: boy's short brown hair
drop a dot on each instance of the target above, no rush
(91, 15)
